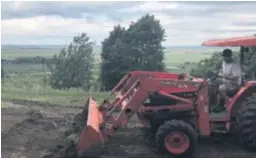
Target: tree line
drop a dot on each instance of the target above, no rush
(138, 47)
(214, 64)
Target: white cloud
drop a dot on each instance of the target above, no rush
(89, 3)
(180, 30)
(150, 6)
(43, 26)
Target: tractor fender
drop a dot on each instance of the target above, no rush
(234, 103)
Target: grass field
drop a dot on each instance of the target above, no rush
(26, 81)
(15, 53)
(172, 59)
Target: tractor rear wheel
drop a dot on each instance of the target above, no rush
(177, 139)
(247, 123)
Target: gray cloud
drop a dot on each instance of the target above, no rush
(209, 9)
(64, 9)
(182, 22)
(245, 23)
(112, 9)
(224, 30)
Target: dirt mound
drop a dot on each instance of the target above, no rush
(29, 132)
(53, 132)
(132, 141)
(66, 148)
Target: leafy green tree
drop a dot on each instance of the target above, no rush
(137, 48)
(112, 58)
(214, 63)
(209, 64)
(249, 63)
(72, 67)
(145, 39)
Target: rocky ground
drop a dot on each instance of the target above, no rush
(34, 131)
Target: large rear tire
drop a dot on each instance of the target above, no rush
(247, 123)
(177, 139)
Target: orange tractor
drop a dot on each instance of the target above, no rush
(175, 106)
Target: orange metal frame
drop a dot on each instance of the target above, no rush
(136, 86)
(132, 91)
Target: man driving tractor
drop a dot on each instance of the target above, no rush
(231, 76)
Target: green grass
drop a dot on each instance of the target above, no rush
(25, 81)
(29, 86)
(174, 59)
(22, 68)
(70, 97)
(15, 53)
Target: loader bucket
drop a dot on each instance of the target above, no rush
(91, 135)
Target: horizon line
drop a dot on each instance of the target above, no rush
(95, 45)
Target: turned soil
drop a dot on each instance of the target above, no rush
(34, 131)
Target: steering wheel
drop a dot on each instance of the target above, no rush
(213, 75)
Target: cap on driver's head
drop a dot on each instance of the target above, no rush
(227, 53)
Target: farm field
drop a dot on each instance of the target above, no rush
(128, 80)
(36, 117)
(33, 78)
(173, 59)
(14, 53)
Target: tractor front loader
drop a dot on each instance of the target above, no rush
(136, 93)
(175, 106)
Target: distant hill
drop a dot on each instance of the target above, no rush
(97, 48)
(10, 46)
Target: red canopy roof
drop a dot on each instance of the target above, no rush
(236, 41)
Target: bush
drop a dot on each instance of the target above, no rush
(73, 66)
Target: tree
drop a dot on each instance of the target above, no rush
(249, 63)
(214, 63)
(73, 66)
(145, 39)
(112, 58)
(209, 64)
(137, 48)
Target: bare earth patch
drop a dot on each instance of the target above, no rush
(31, 131)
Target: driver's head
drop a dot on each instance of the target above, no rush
(227, 55)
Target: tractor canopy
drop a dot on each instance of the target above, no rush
(232, 42)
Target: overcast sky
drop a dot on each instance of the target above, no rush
(186, 23)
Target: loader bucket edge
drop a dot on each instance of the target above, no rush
(91, 135)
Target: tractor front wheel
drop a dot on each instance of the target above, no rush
(177, 139)
(247, 123)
